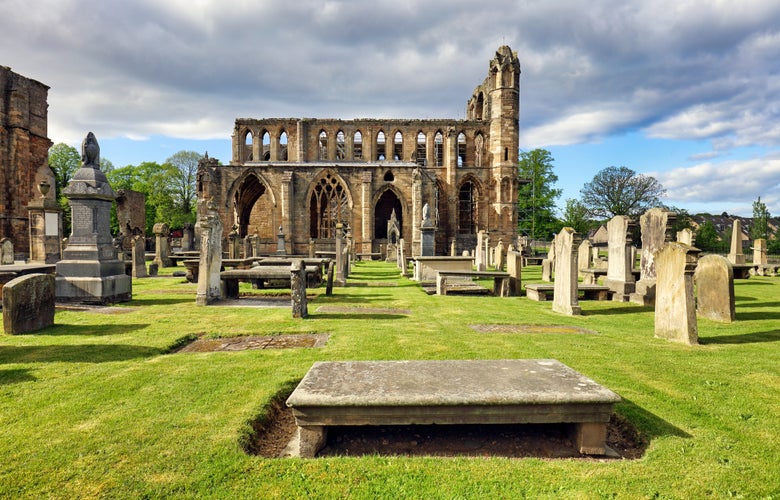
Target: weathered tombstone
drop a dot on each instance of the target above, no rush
(161, 249)
(465, 253)
(153, 269)
(89, 270)
(210, 232)
(759, 252)
(736, 256)
(619, 278)
(514, 266)
(500, 256)
(298, 289)
(714, 279)
(654, 225)
(247, 246)
(187, 237)
(281, 248)
(329, 279)
(312, 249)
(479, 254)
(583, 257)
(675, 312)
(402, 258)
(453, 250)
(6, 252)
(546, 270)
(139, 257)
(45, 219)
(427, 233)
(234, 250)
(28, 303)
(686, 237)
(341, 266)
(565, 299)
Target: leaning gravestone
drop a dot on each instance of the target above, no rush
(654, 225)
(620, 278)
(209, 229)
(714, 279)
(565, 298)
(675, 313)
(28, 303)
(89, 271)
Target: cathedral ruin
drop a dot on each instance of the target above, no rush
(302, 176)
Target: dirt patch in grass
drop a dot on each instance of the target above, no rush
(513, 441)
(301, 340)
(506, 328)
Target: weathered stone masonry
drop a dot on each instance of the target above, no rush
(306, 175)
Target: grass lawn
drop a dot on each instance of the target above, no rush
(96, 406)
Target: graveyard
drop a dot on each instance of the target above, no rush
(105, 402)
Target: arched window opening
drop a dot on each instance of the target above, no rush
(383, 211)
(341, 152)
(461, 149)
(438, 149)
(479, 150)
(381, 154)
(421, 150)
(389, 177)
(506, 154)
(479, 107)
(283, 146)
(357, 146)
(248, 141)
(467, 209)
(322, 153)
(398, 146)
(329, 206)
(266, 153)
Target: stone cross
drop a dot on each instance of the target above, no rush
(714, 279)
(565, 298)
(675, 313)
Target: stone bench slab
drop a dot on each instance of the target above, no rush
(445, 278)
(542, 291)
(516, 391)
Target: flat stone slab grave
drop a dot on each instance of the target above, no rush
(517, 391)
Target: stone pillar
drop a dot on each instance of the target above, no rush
(298, 289)
(402, 258)
(341, 279)
(210, 232)
(514, 266)
(714, 279)
(675, 313)
(565, 298)
(45, 227)
(187, 238)
(161, 250)
(416, 206)
(366, 233)
(620, 278)
(288, 210)
(453, 251)
(654, 225)
(139, 257)
(759, 252)
(736, 257)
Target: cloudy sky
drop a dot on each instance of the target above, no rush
(687, 91)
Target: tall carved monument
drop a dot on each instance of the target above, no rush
(90, 271)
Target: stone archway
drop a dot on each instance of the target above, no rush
(383, 209)
(254, 209)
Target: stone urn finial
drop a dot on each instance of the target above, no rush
(44, 188)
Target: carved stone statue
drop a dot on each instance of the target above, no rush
(90, 151)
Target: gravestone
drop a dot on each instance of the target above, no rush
(402, 258)
(675, 312)
(312, 249)
(619, 278)
(736, 256)
(6, 252)
(89, 270)
(209, 230)
(546, 270)
(341, 265)
(139, 257)
(281, 248)
(187, 237)
(162, 247)
(453, 249)
(28, 303)
(45, 219)
(655, 226)
(298, 289)
(759, 252)
(500, 256)
(686, 237)
(714, 279)
(247, 244)
(565, 298)
(427, 234)
(329, 279)
(234, 248)
(583, 257)
(479, 254)
(514, 266)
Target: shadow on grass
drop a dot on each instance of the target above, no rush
(745, 298)
(90, 330)
(650, 425)
(85, 353)
(757, 316)
(758, 304)
(747, 338)
(612, 311)
(15, 376)
(370, 316)
(152, 301)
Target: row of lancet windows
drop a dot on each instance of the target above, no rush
(386, 148)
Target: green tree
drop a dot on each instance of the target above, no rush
(621, 191)
(575, 215)
(536, 198)
(707, 238)
(64, 160)
(760, 226)
(153, 180)
(183, 182)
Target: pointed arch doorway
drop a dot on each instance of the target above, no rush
(383, 211)
(254, 207)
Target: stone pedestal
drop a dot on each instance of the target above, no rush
(280, 243)
(89, 271)
(234, 244)
(428, 243)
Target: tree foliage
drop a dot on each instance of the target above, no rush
(576, 216)
(536, 199)
(760, 227)
(64, 160)
(182, 183)
(708, 239)
(621, 191)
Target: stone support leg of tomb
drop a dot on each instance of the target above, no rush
(591, 437)
(309, 440)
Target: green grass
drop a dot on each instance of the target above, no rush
(96, 407)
